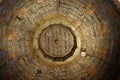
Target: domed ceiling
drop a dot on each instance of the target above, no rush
(59, 40)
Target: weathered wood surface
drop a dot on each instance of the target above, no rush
(56, 40)
(98, 20)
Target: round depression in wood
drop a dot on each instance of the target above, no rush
(57, 42)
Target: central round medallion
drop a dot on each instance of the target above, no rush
(57, 42)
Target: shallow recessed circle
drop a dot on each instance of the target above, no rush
(57, 42)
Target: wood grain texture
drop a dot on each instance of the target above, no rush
(56, 40)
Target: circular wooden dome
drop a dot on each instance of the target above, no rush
(59, 40)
